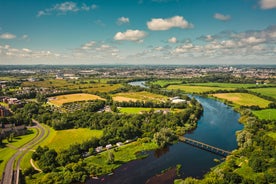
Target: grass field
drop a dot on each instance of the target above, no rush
(136, 110)
(266, 91)
(85, 85)
(226, 85)
(163, 83)
(266, 114)
(138, 96)
(7, 152)
(59, 100)
(196, 89)
(64, 138)
(243, 99)
(122, 155)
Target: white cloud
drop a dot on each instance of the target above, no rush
(172, 40)
(122, 20)
(64, 8)
(267, 4)
(159, 24)
(131, 35)
(7, 36)
(222, 17)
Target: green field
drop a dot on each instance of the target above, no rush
(266, 91)
(163, 83)
(139, 96)
(196, 89)
(137, 110)
(244, 99)
(62, 139)
(85, 85)
(60, 100)
(122, 155)
(7, 152)
(266, 114)
(225, 85)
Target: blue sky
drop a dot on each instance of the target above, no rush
(138, 32)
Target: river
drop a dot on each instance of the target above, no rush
(216, 127)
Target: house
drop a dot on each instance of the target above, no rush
(108, 146)
(178, 101)
(99, 149)
(7, 129)
(119, 144)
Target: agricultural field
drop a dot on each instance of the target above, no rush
(226, 85)
(86, 85)
(60, 100)
(266, 114)
(163, 83)
(138, 96)
(244, 99)
(62, 139)
(266, 91)
(196, 89)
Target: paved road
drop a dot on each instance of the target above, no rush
(8, 173)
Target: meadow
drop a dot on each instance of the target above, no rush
(62, 139)
(226, 85)
(196, 89)
(266, 114)
(60, 100)
(138, 96)
(137, 110)
(271, 92)
(244, 99)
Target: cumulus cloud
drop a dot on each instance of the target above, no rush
(222, 17)
(172, 40)
(131, 35)
(267, 4)
(64, 8)
(7, 36)
(122, 20)
(159, 24)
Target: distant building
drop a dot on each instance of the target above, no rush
(119, 144)
(108, 146)
(7, 129)
(99, 149)
(178, 101)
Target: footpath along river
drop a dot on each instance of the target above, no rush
(216, 127)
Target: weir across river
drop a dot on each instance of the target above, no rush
(204, 146)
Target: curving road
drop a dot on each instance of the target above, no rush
(9, 177)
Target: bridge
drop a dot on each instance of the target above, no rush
(204, 146)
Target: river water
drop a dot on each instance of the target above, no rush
(216, 127)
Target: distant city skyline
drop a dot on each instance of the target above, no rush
(95, 32)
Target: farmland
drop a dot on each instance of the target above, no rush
(164, 83)
(244, 99)
(196, 89)
(137, 110)
(266, 114)
(271, 92)
(62, 139)
(138, 96)
(60, 100)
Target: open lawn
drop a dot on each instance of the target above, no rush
(138, 96)
(266, 114)
(244, 99)
(62, 139)
(196, 89)
(122, 155)
(59, 100)
(103, 88)
(266, 91)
